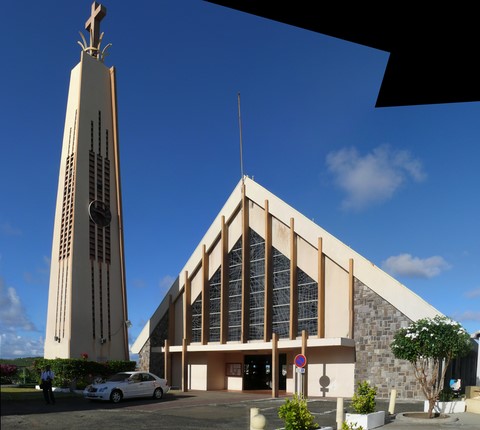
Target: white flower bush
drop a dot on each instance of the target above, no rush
(430, 344)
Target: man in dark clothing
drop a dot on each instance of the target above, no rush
(47, 378)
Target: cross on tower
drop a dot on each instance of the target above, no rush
(93, 23)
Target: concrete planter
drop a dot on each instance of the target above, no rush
(367, 421)
(447, 407)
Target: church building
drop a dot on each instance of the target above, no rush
(269, 300)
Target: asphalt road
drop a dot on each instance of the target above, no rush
(177, 410)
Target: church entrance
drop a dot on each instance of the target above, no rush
(257, 372)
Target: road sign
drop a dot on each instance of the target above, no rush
(300, 360)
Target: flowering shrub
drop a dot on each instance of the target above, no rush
(427, 344)
(7, 372)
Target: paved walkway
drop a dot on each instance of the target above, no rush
(464, 421)
(193, 410)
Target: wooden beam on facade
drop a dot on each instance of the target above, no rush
(187, 310)
(245, 268)
(167, 362)
(205, 298)
(351, 284)
(171, 320)
(268, 280)
(321, 290)
(293, 282)
(224, 284)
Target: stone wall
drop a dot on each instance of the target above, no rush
(376, 322)
(154, 361)
(144, 357)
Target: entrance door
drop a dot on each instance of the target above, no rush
(257, 372)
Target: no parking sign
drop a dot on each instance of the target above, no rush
(300, 360)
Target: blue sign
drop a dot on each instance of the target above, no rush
(300, 360)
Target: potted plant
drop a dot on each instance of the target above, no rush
(295, 414)
(363, 403)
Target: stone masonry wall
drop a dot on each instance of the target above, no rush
(376, 322)
(144, 357)
(155, 361)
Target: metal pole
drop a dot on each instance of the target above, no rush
(241, 139)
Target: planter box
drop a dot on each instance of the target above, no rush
(447, 407)
(473, 405)
(367, 421)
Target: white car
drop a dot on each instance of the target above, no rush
(125, 385)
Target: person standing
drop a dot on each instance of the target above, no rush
(47, 378)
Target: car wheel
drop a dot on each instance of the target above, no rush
(158, 394)
(116, 396)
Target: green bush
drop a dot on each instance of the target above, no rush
(81, 372)
(351, 426)
(363, 401)
(446, 395)
(296, 415)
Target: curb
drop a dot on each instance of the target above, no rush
(425, 421)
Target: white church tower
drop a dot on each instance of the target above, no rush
(87, 307)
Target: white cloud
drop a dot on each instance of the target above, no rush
(467, 316)
(414, 267)
(166, 282)
(12, 312)
(373, 177)
(137, 283)
(41, 274)
(8, 230)
(472, 293)
(14, 346)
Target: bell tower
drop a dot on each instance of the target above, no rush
(87, 304)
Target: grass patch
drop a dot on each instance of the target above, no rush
(23, 393)
(17, 393)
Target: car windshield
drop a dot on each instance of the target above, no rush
(119, 377)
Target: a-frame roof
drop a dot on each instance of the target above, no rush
(397, 294)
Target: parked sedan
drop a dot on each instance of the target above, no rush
(125, 385)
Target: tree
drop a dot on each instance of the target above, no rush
(430, 344)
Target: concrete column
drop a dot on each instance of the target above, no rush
(184, 366)
(167, 364)
(275, 365)
(304, 352)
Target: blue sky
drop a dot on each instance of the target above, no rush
(399, 185)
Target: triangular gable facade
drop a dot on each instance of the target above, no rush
(267, 286)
